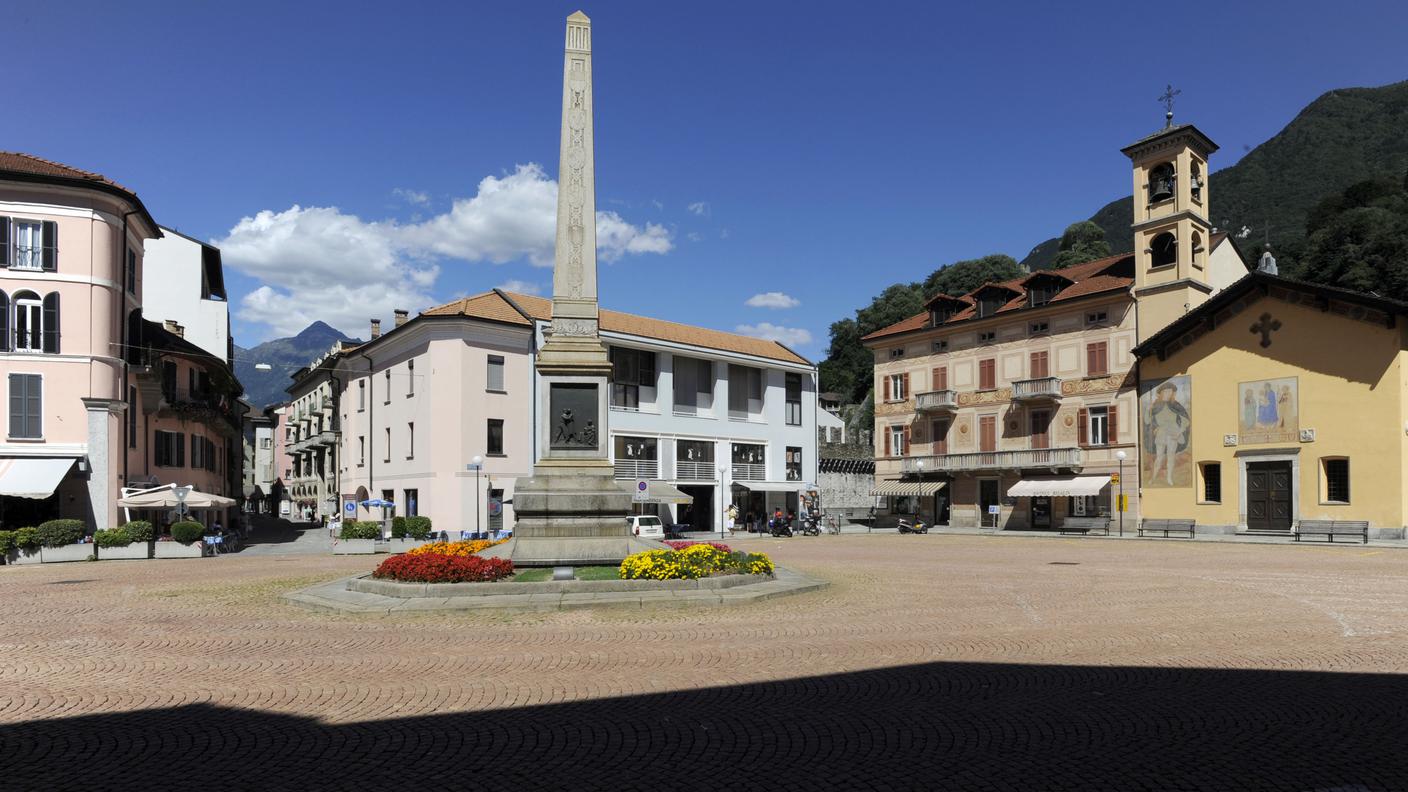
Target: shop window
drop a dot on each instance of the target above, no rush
(794, 463)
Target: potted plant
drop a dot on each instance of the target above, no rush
(124, 542)
(24, 546)
(61, 540)
(357, 538)
(185, 541)
(414, 532)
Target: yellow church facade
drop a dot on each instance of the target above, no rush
(1273, 403)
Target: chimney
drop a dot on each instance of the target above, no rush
(376, 328)
(172, 327)
(401, 316)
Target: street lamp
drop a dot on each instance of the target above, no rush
(476, 465)
(1119, 504)
(919, 466)
(723, 501)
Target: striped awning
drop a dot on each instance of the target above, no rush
(895, 487)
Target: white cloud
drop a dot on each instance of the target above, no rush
(520, 287)
(694, 236)
(319, 263)
(700, 208)
(412, 196)
(772, 300)
(791, 336)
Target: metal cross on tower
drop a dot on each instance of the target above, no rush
(1169, 93)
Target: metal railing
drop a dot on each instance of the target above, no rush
(745, 471)
(637, 469)
(695, 471)
(936, 400)
(994, 460)
(1043, 388)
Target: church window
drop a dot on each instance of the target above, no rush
(1197, 249)
(1161, 181)
(1164, 249)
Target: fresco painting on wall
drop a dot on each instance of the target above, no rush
(1268, 411)
(1166, 416)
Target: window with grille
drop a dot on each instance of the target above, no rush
(1212, 482)
(1336, 474)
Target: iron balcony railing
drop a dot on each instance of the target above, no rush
(937, 401)
(994, 460)
(1042, 388)
(745, 471)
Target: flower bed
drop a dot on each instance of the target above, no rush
(693, 562)
(455, 549)
(436, 568)
(683, 545)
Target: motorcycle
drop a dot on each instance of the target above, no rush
(810, 528)
(916, 528)
(779, 528)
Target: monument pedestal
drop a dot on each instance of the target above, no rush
(571, 515)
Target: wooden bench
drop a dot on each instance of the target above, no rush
(1332, 528)
(1086, 525)
(1167, 527)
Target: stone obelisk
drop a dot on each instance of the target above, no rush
(572, 510)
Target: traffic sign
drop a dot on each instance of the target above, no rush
(1114, 478)
(642, 493)
(496, 507)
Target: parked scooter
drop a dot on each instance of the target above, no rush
(810, 527)
(779, 528)
(917, 527)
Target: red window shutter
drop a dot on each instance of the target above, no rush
(905, 442)
(1083, 427)
(904, 384)
(1090, 359)
(885, 386)
(1104, 352)
(943, 378)
(887, 440)
(1114, 425)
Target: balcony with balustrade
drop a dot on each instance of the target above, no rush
(695, 471)
(1035, 390)
(631, 469)
(935, 402)
(1053, 459)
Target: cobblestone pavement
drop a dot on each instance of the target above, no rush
(931, 662)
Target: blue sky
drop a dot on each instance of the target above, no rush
(822, 151)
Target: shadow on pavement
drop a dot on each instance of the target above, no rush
(932, 726)
(275, 530)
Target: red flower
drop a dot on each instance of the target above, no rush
(683, 545)
(443, 569)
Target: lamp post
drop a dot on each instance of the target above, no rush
(476, 465)
(919, 466)
(1119, 503)
(723, 501)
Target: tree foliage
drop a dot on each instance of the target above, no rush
(1082, 242)
(1358, 239)
(961, 277)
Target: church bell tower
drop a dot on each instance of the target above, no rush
(1171, 229)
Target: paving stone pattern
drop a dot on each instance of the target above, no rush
(930, 662)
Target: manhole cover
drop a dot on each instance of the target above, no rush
(1063, 563)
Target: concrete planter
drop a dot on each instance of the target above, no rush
(354, 547)
(402, 545)
(178, 550)
(134, 550)
(23, 557)
(59, 555)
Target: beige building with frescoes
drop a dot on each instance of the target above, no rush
(1015, 405)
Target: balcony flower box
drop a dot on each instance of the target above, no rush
(126, 552)
(173, 549)
(65, 553)
(354, 547)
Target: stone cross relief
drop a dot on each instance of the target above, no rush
(1266, 326)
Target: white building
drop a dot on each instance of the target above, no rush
(185, 284)
(719, 417)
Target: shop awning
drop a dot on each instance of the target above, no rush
(1049, 486)
(164, 498)
(771, 486)
(923, 488)
(657, 492)
(32, 478)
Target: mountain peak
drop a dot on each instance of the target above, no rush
(320, 330)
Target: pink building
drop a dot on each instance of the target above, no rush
(98, 400)
(70, 277)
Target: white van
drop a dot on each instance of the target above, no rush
(646, 525)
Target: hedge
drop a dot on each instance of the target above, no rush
(140, 531)
(112, 537)
(57, 533)
(7, 542)
(27, 538)
(418, 527)
(364, 529)
(187, 531)
(398, 527)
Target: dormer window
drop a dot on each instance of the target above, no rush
(1164, 250)
(938, 316)
(1040, 295)
(989, 304)
(1161, 182)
